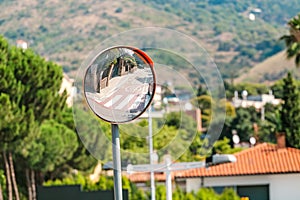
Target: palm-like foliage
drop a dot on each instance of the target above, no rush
(292, 41)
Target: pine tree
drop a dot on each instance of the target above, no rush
(29, 95)
(11, 114)
(290, 112)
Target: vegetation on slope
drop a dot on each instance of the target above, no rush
(66, 32)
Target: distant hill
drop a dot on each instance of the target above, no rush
(66, 31)
(270, 70)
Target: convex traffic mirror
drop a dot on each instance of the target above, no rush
(119, 84)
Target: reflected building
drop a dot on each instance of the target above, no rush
(99, 78)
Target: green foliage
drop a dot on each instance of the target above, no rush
(196, 145)
(205, 19)
(295, 22)
(206, 194)
(160, 192)
(178, 194)
(11, 117)
(82, 159)
(164, 137)
(292, 41)
(277, 89)
(229, 194)
(57, 144)
(271, 125)
(136, 193)
(201, 90)
(290, 112)
(223, 147)
(3, 183)
(251, 88)
(250, 37)
(190, 196)
(119, 10)
(33, 113)
(204, 102)
(104, 183)
(201, 194)
(243, 123)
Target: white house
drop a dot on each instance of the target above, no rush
(22, 44)
(263, 172)
(257, 101)
(68, 85)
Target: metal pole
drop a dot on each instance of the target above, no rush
(169, 185)
(168, 181)
(116, 161)
(151, 154)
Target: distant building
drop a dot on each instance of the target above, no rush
(22, 44)
(68, 85)
(196, 115)
(257, 101)
(157, 99)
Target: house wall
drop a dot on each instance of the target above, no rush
(67, 84)
(281, 186)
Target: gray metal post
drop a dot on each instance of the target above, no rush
(168, 183)
(151, 154)
(117, 162)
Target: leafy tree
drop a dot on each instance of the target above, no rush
(206, 194)
(2, 185)
(229, 109)
(57, 145)
(136, 193)
(195, 147)
(29, 95)
(201, 90)
(243, 124)
(160, 192)
(229, 194)
(178, 194)
(292, 41)
(204, 102)
(271, 125)
(81, 159)
(180, 120)
(223, 147)
(290, 112)
(277, 88)
(11, 117)
(104, 183)
(190, 196)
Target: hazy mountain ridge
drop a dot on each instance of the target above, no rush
(66, 31)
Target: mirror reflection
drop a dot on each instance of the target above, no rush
(119, 84)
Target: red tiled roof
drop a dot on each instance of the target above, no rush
(262, 159)
(142, 177)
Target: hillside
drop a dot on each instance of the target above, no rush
(270, 70)
(66, 31)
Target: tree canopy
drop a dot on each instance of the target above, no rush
(292, 40)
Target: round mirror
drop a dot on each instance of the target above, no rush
(119, 84)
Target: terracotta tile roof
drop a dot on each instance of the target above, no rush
(142, 177)
(262, 159)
